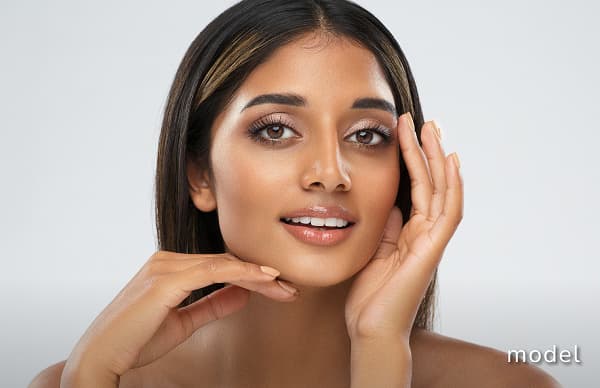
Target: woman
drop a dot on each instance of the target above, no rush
(294, 166)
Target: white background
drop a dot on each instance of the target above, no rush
(513, 85)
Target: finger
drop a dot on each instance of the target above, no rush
(172, 288)
(452, 213)
(216, 305)
(174, 262)
(391, 233)
(261, 285)
(420, 266)
(416, 164)
(272, 289)
(436, 160)
(180, 324)
(170, 255)
(393, 226)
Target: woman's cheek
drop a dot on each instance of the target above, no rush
(381, 201)
(249, 200)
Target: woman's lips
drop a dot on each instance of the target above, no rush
(322, 211)
(323, 236)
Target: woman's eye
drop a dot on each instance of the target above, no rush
(275, 131)
(367, 137)
(270, 133)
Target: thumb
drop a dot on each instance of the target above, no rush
(216, 305)
(393, 226)
(391, 232)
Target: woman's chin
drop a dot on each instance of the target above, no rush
(308, 269)
(316, 279)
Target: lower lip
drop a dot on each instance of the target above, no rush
(316, 236)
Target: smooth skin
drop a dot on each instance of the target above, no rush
(385, 296)
(356, 331)
(143, 322)
(177, 325)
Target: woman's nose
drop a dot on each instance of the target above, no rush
(325, 168)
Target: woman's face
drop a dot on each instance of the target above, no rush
(309, 136)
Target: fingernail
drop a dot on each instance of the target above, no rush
(437, 130)
(411, 123)
(456, 160)
(288, 288)
(270, 271)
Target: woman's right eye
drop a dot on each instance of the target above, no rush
(272, 133)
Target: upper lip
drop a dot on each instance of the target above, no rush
(322, 211)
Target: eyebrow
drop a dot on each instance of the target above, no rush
(374, 103)
(296, 100)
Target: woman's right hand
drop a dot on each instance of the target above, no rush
(143, 322)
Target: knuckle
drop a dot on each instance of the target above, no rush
(154, 284)
(249, 268)
(213, 266)
(210, 269)
(245, 271)
(214, 308)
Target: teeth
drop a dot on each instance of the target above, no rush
(316, 221)
(330, 222)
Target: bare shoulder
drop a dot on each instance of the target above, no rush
(49, 377)
(441, 361)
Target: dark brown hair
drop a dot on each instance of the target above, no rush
(213, 68)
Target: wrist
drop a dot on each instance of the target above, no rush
(380, 362)
(82, 375)
(364, 337)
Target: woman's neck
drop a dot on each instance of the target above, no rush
(304, 340)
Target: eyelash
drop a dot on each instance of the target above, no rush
(265, 122)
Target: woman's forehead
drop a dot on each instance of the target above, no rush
(318, 67)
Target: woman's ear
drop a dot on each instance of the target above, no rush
(200, 187)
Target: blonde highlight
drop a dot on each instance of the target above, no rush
(215, 65)
(241, 49)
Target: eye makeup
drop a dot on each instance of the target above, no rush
(270, 130)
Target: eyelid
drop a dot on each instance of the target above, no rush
(385, 138)
(279, 119)
(370, 124)
(374, 126)
(276, 118)
(264, 122)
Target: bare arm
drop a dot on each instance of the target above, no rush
(49, 377)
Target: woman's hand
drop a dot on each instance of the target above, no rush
(143, 322)
(385, 295)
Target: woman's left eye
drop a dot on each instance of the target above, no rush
(368, 137)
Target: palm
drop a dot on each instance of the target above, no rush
(373, 288)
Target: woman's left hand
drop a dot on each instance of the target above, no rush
(385, 295)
